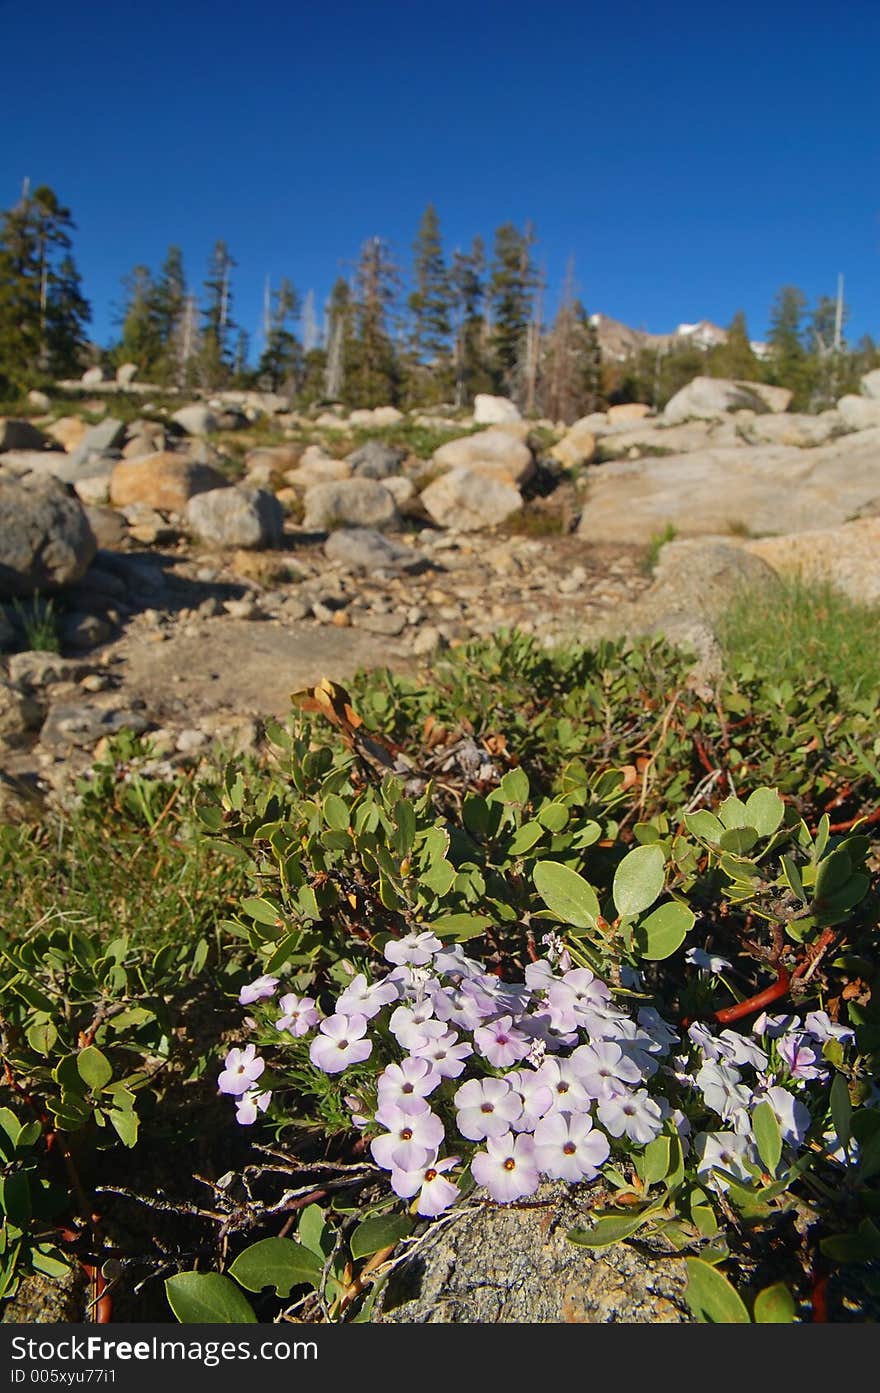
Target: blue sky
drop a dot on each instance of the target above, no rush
(692, 158)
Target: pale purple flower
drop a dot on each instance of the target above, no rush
(407, 1085)
(659, 1030)
(725, 1150)
(793, 1117)
(446, 1052)
(705, 1041)
(800, 1059)
(535, 1095)
(723, 1090)
(405, 1021)
(411, 1141)
(501, 1043)
(557, 952)
(414, 950)
(569, 1147)
(249, 1104)
(739, 1049)
(844, 1155)
(340, 1043)
(259, 990)
(560, 1008)
(563, 1079)
(241, 1069)
(707, 962)
(820, 1025)
(540, 976)
(637, 1045)
(299, 1014)
(436, 1193)
(467, 1006)
(486, 1108)
(637, 1115)
(507, 1167)
(590, 994)
(363, 998)
(604, 1069)
(773, 1026)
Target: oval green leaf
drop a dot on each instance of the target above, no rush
(638, 880)
(612, 1229)
(768, 1137)
(765, 811)
(711, 1297)
(664, 931)
(281, 1263)
(207, 1298)
(571, 898)
(383, 1231)
(774, 1305)
(94, 1068)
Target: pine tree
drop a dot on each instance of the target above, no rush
(428, 376)
(140, 340)
(735, 358)
(43, 312)
(340, 335)
(373, 378)
(218, 324)
(169, 304)
(281, 361)
(570, 384)
(787, 362)
(511, 293)
(468, 294)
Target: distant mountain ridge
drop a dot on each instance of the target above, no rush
(619, 341)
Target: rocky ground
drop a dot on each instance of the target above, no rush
(204, 562)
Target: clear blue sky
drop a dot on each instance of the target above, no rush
(692, 157)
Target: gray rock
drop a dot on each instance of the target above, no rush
(109, 526)
(714, 396)
(236, 517)
(106, 435)
(388, 624)
(859, 413)
(39, 401)
(363, 548)
(126, 374)
(92, 377)
(870, 385)
(498, 453)
(766, 489)
(20, 715)
(21, 435)
(845, 556)
(494, 411)
(143, 578)
(83, 724)
(195, 419)
(35, 670)
(467, 501)
(84, 631)
(359, 502)
(376, 460)
(500, 1266)
(45, 538)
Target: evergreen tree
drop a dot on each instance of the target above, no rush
(570, 383)
(373, 378)
(281, 361)
(169, 304)
(511, 293)
(787, 362)
(340, 340)
(735, 358)
(218, 324)
(140, 341)
(430, 310)
(468, 295)
(43, 312)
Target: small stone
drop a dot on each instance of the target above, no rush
(95, 682)
(189, 740)
(341, 618)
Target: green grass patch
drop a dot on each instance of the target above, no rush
(804, 629)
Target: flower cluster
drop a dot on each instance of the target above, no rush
(540, 1078)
